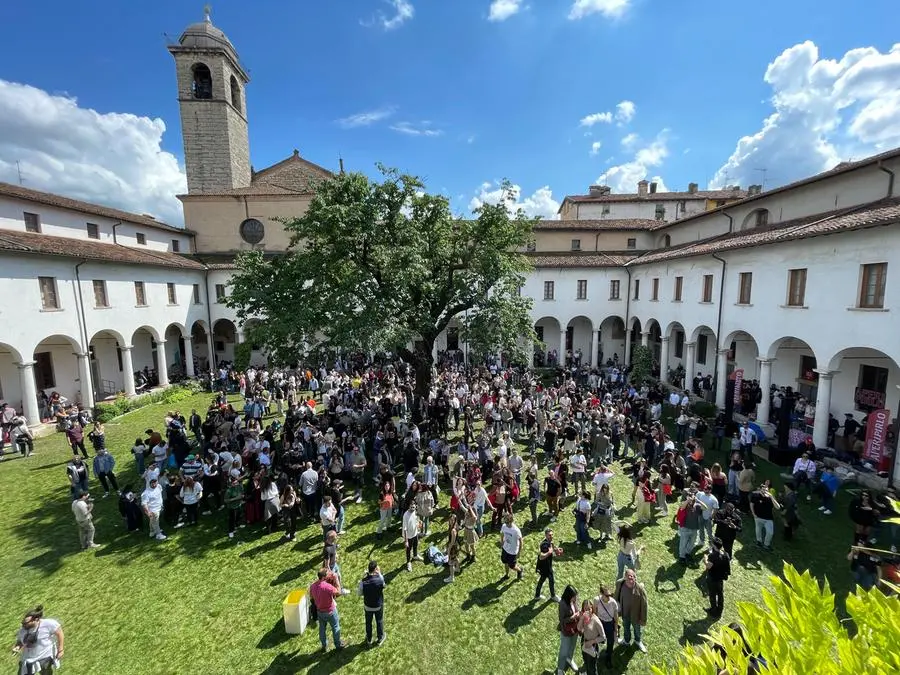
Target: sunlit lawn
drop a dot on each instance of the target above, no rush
(200, 603)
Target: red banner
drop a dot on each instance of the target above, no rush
(877, 425)
(738, 381)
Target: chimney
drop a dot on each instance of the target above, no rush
(652, 188)
(599, 190)
(735, 188)
(642, 188)
(692, 188)
(754, 190)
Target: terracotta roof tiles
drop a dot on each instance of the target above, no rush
(43, 244)
(594, 225)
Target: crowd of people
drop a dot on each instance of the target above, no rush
(304, 445)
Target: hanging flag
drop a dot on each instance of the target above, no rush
(877, 425)
(738, 381)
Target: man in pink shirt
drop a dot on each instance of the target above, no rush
(323, 592)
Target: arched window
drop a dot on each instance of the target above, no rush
(666, 241)
(235, 94)
(201, 87)
(756, 218)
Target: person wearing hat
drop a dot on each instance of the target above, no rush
(371, 588)
(718, 568)
(83, 508)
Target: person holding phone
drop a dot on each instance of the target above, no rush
(40, 643)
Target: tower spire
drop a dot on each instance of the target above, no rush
(207, 11)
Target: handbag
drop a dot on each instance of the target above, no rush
(571, 627)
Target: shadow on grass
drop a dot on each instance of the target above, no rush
(294, 573)
(666, 576)
(525, 614)
(435, 582)
(44, 467)
(691, 631)
(313, 664)
(265, 547)
(276, 636)
(489, 594)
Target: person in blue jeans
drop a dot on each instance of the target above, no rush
(582, 514)
(371, 588)
(827, 489)
(633, 606)
(323, 592)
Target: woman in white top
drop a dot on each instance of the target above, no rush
(607, 610)
(271, 500)
(190, 495)
(628, 551)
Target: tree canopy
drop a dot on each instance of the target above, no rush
(383, 265)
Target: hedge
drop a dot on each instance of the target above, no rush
(103, 412)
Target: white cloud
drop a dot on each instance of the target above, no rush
(540, 204)
(660, 184)
(624, 177)
(595, 148)
(114, 159)
(423, 128)
(403, 12)
(501, 10)
(825, 111)
(608, 8)
(625, 111)
(596, 118)
(364, 119)
(629, 141)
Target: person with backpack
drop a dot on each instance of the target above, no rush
(718, 568)
(544, 566)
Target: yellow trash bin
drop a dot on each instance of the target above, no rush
(296, 612)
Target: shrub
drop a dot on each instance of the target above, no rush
(242, 353)
(704, 409)
(641, 365)
(795, 629)
(103, 412)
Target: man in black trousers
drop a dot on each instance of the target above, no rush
(544, 566)
(718, 569)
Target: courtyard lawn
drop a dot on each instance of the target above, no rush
(200, 603)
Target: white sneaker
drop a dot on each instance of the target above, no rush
(642, 647)
(821, 508)
(826, 512)
(105, 495)
(345, 591)
(809, 498)
(589, 546)
(893, 548)
(231, 535)
(161, 537)
(554, 598)
(343, 532)
(621, 641)
(206, 513)
(409, 567)
(417, 557)
(448, 580)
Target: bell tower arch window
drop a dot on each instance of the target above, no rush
(235, 94)
(201, 86)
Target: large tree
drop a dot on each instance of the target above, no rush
(383, 265)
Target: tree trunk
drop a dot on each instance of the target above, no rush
(422, 367)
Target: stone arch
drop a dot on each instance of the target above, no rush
(200, 339)
(236, 94)
(176, 349)
(201, 81)
(756, 218)
(107, 362)
(547, 329)
(144, 349)
(612, 339)
(10, 380)
(654, 341)
(794, 365)
(579, 338)
(225, 337)
(704, 339)
(664, 241)
(743, 352)
(56, 368)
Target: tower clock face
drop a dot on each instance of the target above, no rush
(252, 231)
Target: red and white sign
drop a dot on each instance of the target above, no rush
(877, 425)
(738, 381)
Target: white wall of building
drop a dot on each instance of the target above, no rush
(640, 209)
(57, 222)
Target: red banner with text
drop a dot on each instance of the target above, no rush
(877, 425)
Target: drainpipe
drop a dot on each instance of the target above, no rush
(890, 192)
(719, 320)
(82, 321)
(730, 222)
(627, 312)
(210, 339)
(115, 225)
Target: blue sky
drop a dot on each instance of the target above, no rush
(508, 98)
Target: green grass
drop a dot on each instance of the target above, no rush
(199, 603)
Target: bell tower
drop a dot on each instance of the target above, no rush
(211, 83)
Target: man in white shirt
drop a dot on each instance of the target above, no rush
(578, 462)
(328, 515)
(601, 477)
(512, 544)
(411, 527)
(685, 401)
(152, 504)
(747, 438)
(804, 473)
(674, 399)
(83, 507)
(711, 504)
(515, 465)
(309, 485)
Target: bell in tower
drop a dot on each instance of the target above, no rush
(211, 99)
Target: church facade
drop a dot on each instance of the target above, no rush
(794, 286)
